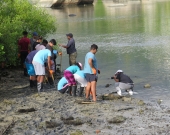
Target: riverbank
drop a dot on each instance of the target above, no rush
(23, 111)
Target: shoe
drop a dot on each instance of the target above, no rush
(31, 84)
(81, 92)
(50, 80)
(130, 92)
(39, 87)
(74, 89)
(35, 83)
(69, 90)
(25, 72)
(119, 92)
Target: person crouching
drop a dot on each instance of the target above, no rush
(68, 74)
(123, 82)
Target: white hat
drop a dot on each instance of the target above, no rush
(119, 71)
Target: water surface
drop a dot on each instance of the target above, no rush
(131, 35)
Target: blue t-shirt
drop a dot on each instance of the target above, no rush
(80, 73)
(87, 68)
(73, 69)
(30, 56)
(42, 56)
(61, 83)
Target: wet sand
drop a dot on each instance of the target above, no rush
(52, 113)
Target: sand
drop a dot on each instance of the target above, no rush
(52, 113)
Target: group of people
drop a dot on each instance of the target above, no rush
(40, 61)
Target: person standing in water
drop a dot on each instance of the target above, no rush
(71, 49)
(91, 71)
(123, 82)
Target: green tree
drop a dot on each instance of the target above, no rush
(17, 16)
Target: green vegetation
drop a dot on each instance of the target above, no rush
(17, 16)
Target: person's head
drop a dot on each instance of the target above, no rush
(79, 65)
(69, 36)
(93, 48)
(35, 35)
(118, 72)
(39, 39)
(25, 33)
(44, 42)
(52, 42)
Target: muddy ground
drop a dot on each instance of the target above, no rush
(24, 112)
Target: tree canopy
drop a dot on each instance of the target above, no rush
(17, 16)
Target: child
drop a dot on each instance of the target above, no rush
(68, 74)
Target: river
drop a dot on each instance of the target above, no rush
(131, 35)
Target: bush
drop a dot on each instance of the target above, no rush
(17, 16)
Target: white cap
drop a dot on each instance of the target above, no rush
(80, 65)
(119, 71)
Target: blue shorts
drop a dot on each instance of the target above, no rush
(30, 69)
(90, 77)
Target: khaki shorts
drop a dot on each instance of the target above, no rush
(39, 68)
(72, 58)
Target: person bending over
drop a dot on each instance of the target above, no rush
(91, 71)
(80, 78)
(68, 74)
(38, 62)
(30, 68)
(123, 82)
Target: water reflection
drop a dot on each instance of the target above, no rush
(133, 37)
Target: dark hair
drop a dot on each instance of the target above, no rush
(39, 38)
(94, 46)
(25, 33)
(44, 41)
(53, 41)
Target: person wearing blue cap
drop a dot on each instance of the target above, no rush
(33, 40)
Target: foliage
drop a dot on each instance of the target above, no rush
(17, 16)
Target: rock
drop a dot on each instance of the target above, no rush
(50, 124)
(73, 122)
(107, 85)
(78, 132)
(26, 110)
(117, 119)
(159, 101)
(127, 99)
(71, 15)
(69, 118)
(141, 102)
(147, 85)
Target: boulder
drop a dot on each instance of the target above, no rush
(147, 85)
(117, 119)
(140, 102)
(127, 99)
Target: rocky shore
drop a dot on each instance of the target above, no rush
(24, 112)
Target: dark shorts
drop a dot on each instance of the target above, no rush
(63, 90)
(23, 56)
(91, 77)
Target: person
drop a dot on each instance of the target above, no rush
(38, 62)
(123, 82)
(68, 74)
(38, 41)
(30, 68)
(49, 46)
(62, 85)
(23, 49)
(33, 39)
(71, 50)
(42, 45)
(80, 78)
(91, 71)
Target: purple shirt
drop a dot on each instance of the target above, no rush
(30, 56)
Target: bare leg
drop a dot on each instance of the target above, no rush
(88, 88)
(93, 89)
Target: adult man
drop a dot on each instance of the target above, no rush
(71, 50)
(23, 49)
(33, 39)
(38, 41)
(38, 62)
(90, 70)
(123, 82)
(41, 46)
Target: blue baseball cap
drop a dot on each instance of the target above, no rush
(35, 34)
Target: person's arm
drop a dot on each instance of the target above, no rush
(68, 45)
(115, 78)
(90, 61)
(64, 46)
(49, 62)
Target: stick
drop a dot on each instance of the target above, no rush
(11, 124)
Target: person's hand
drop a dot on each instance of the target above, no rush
(60, 44)
(94, 71)
(98, 71)
(60, 53)
(51, 72)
